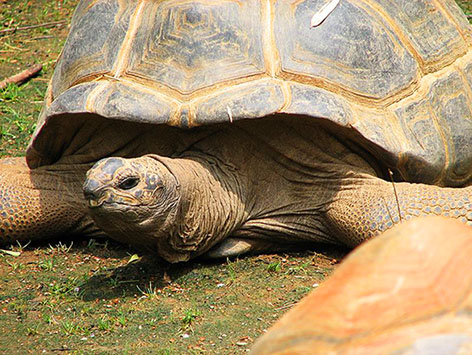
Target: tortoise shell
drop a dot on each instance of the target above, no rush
(396, 75)
(399, 293)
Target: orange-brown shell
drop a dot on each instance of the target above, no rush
(396, 74)
(408, 291)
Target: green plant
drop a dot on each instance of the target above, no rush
(46, 265)
(299, 269)
(189, 316)
(149, 291)
(274, 267)
(20, 248)
(104, 324)
(60, 248)
(15, 265)
(48, 318)
(66, 288)
(121, 319)
(34, 330)
(231, 271)
(12, 92)
(71, 328)
(94, 244)
(20, 308)
(113, 281)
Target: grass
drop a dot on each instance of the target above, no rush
(466, 6)
(60, 298)
(20, 106)
(95, 296)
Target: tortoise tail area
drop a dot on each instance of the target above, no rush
(41, 203)
(365, 206)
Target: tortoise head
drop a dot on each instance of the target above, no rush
(131, 198)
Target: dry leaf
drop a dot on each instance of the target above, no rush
(10, 252)
(133, 258)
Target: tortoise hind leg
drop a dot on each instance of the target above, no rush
(41, 203)
(368, 206)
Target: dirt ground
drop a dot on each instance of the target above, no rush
(96, 296)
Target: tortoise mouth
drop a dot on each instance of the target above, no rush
(93, 204)
(107, 199)
(107, 203)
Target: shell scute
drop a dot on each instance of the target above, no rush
(422, 24)
(193, 45)
(353, 49)
(92, 47)
(118, 100)
(436, 125)
(424, 148)
(317, 102)
(251, 100)
(460, 20)
(451, 104)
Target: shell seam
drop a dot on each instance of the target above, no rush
(123, 56)
(451, 18)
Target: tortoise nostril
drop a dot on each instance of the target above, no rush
(91, 190)
(90, 195)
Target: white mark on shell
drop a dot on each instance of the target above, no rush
(323, 13)
(230, 114)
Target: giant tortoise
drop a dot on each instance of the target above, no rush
(407, 292)
(223, 127)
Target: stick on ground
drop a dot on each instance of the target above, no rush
(20, 78)
(46, 24)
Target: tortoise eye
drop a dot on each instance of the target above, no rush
(128, 183)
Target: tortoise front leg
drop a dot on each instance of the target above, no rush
(367, 206)
(41, 203)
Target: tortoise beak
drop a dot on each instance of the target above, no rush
(94, 203)
(94, 195)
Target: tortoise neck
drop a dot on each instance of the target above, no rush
(211, 205)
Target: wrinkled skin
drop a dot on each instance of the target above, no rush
(251, 186)
(224, 190)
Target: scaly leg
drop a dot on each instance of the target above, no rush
(366, 206)
(42, 203)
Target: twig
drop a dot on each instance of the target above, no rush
(469, 16)
(15, 48)
(64, 348)
(46, 24)
(25, 75)
(395, 192)
(41, 37)
(286, 306)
